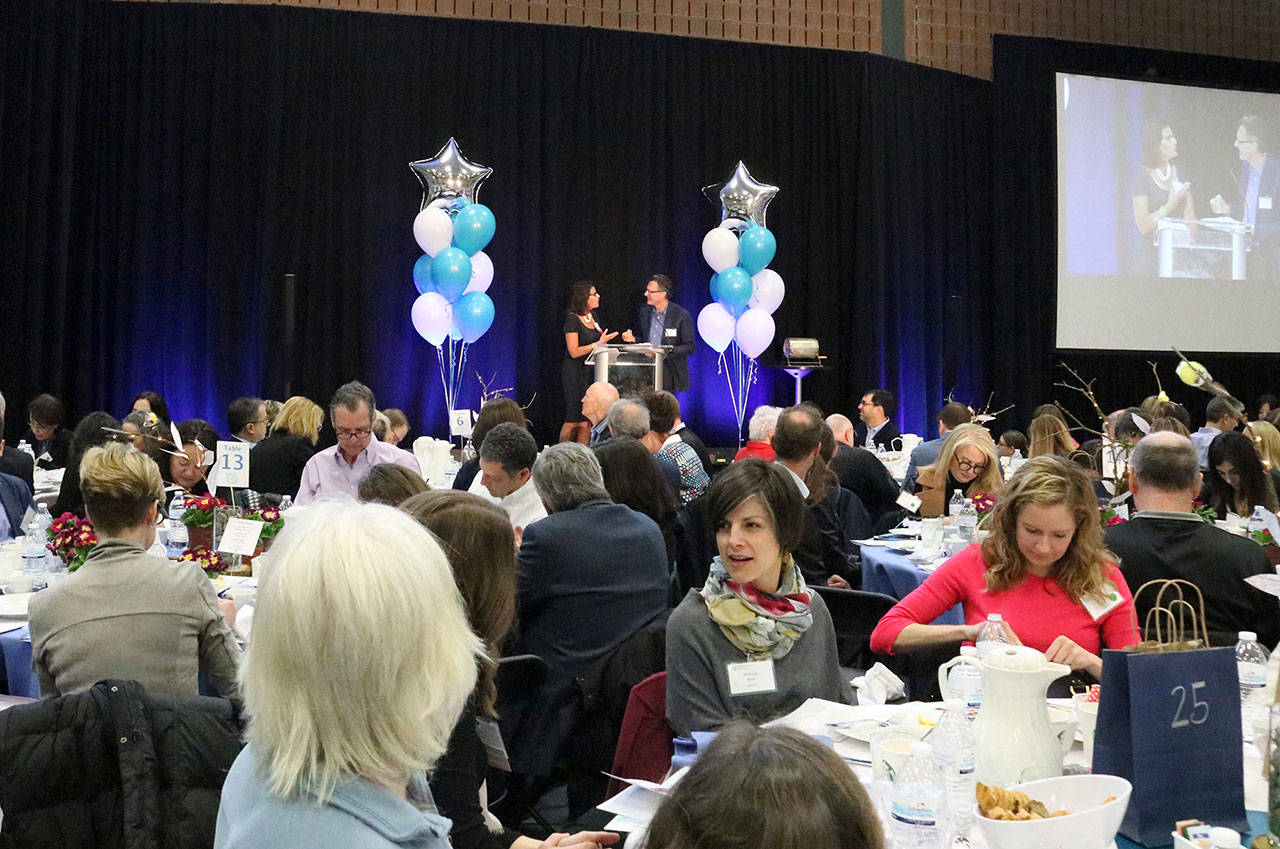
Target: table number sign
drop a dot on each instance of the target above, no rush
(460, 423)
(231, 467)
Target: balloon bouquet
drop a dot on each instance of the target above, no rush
(454, 273)
(744, 289)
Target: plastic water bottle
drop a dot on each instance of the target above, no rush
(285, 503)
(25, 448)
(991, 637)
(1251, 666)
(954, 745)
(967, 520)
(956, 505)
(34, 563)
(1258, 519)
(177, 531)
(966, 682)
(918, 812)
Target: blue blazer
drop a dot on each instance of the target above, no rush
(588, 579)
(675, 366)
(15, 498)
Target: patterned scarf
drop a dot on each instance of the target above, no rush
(757, 623)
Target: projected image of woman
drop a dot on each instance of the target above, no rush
(1158, 192)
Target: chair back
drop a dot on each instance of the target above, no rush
(695, 546)
(644, 743)
(855, 614)
(519, 679)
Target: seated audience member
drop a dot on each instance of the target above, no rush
(247, 420)
(399, 426)
(273, 409)
(1222, 414)
(1049, 437)
(50, 441)
(506, 474)
(1266, 441)
(142, 427)
(1267, 403)
(774, 787)
(493, 413)
(390, 484)
(628, 417)
(1131, 424)
(14, 462)
(124, 613)
(1043, 567)
(336, 472)
(760, 434)
(478, 539)
(952, 415)
(875, 429)
(968, 463)
(1169, 423)
(1012, 441)
(1166, 540)
(199, 444)
(862, 473)
(277, 462)
(591, 574)
(670, 449)
(381, 425)
(755, 606)
(88, 433)
(596, 402)
(323, 768)
(15, 501)
(1236, 482)
(631, 477)
(685, 433)
(152, 402)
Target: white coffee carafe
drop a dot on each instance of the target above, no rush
(1015, 740)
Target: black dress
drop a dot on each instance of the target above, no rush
(575, 375)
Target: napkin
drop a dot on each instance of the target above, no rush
(878, 685)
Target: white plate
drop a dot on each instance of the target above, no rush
(14, 606)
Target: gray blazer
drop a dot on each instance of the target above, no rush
(125, 614)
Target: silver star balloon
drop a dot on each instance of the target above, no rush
(449, 175)
(744, 197)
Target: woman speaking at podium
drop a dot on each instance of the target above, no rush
(582, 333)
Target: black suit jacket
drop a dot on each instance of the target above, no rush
(588, 579)
(866, 477)
(1264, 254)
(888, 437)
(277, 463)
(1162, 546)
(675, 366)
(19, 464)
(695, 442)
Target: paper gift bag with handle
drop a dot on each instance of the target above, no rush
(1169, 721)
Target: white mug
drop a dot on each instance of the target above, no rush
(18, 583)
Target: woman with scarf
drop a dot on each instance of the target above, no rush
(754, 642)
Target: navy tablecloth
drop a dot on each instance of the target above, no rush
(892, 574)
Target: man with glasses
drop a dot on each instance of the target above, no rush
(1259, 203)
(664, 322)
(875, 430)
(247, 420)
(336, 472)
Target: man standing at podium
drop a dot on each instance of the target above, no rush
(664, 322)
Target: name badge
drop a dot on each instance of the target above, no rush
(1099, 607)
(1264, 202)
(491, 738)
(907, 501)
(671, 331)
(753, 676)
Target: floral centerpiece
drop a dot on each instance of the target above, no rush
(199, 512)
(1204, 511)
(71, 538)
(272, 521)
(212, 562)
(983, 504)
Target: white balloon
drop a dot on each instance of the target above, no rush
(720, 249)
(481, 273)
(432, 316)
(433, 228)
(715, 326)
(767, 291)
(754, 332)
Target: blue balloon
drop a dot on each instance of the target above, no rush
(756, 248)
(422, 275)
(451, 272)
(473, 313)
(733, 288)
(473, 228)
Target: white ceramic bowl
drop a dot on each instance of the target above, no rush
(1091, 825)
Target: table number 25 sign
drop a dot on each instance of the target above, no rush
(232, 464)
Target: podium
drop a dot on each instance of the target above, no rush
(1215, 240)
(636, 367)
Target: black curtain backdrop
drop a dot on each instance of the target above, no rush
(1025, 363)
(166, 164)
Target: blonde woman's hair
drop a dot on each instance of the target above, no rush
(1048, 435)
(1266, 439)
(978, 436)
(301, 417)
(119, 483)
(1046, 481)
(362, 657)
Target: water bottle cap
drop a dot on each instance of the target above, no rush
(969, 651)
(1247, 637)
(921, 749)
(995, 617)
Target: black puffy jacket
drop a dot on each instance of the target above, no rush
(114, 768)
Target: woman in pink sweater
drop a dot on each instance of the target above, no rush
(1043, 567)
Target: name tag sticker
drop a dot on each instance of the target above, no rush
(910, 503)
(1264, 202)
(671, 331)
(1111, 599)
(753, 676)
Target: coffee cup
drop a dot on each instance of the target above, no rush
(18, 583)
(890, 748)
(1087, 721)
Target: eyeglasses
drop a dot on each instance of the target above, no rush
(967, 466)
(160, 516)
(653, 291)
(343, 433)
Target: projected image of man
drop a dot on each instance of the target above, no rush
(1258, 205)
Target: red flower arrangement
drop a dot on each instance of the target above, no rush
(71, 538)
(213, 563)
(984, 503)
(199, 512)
